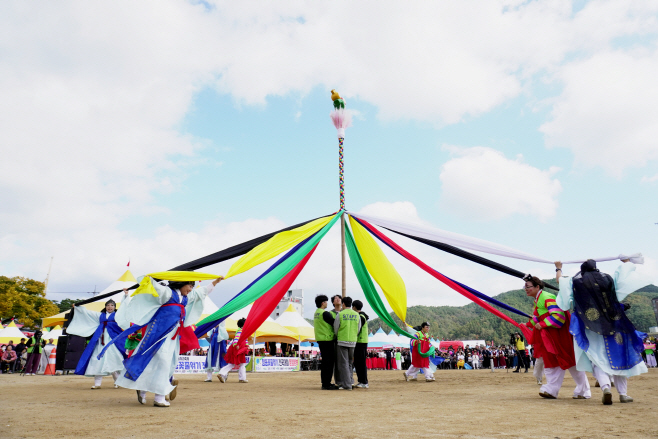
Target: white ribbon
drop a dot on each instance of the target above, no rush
(480, 245)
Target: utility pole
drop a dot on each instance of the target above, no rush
(45, 288)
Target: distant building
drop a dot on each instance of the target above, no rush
(292, 297)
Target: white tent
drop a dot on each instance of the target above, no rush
(11, 333)
(126, 280)
(293, 321)
(380, 336)
(55, 333)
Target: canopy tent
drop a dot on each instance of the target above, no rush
(268, 331)
(11, 333)
(293, 321)
(55, 333)
(126, 280)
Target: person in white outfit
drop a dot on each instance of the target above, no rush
(605, 341)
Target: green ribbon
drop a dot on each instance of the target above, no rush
(368, 286)
(268, 281)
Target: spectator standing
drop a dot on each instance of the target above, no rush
(34, 348)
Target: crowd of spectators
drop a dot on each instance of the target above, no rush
(13, 357)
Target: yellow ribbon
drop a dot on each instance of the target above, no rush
(381, 270)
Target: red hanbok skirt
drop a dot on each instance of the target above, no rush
(554, 345)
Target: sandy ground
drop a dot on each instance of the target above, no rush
(291, 405)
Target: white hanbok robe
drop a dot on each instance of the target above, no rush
(140, 311)
(625, 284)
(222, 334)
(84, 323)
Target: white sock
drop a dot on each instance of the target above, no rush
(98, 380)
(142, 394)
(159, 398)
(209, 375)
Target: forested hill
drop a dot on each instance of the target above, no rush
(470, 322)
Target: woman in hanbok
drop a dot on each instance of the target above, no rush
(216, 350)
(421, 350)
(164, 311)
(102, 328)
(604, 340)
(502, 363)
(236, 355)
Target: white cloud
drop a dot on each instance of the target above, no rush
(481, 183)
(646, 179)
(607, 113)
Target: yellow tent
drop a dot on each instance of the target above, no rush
(126, 280)
(294, 322)
(268, 331)
(11, 333)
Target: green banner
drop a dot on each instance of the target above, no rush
(266, 283)
(368, 286)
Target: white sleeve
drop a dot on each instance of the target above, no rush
(565, 297)
(84, 323)
(628, 280)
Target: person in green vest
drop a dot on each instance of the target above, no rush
(398, 359)
(361, 348)
(323, 323)
(34, 348)
(347, 326)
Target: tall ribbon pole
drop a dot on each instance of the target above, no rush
(341, 120)
(341, 184)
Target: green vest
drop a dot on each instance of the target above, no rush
(34, 343)
(363, 335)
(349, 325)
(398, 356)
(323, 330)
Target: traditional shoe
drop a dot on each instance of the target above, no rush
(578, 397)
(546, 395)
(344, 388)
(161, 404)
(406, 377)
(173, 393)
(625, 398)
(140, 399)
(429, 380)
(539, 382)
(207, 381)
(413, 379)
(607, 397)
(221, 378)
(243, 381)
(95, 387)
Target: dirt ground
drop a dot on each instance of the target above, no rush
(291, 405)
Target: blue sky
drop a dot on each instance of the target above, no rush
(179, 130)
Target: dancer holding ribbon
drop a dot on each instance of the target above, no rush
(103, 328)
(164, 310)
(605, 341)
(553, 343)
